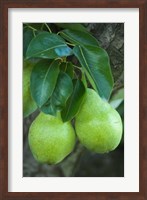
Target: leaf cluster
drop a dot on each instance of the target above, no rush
(67, 58)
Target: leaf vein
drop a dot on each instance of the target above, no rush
(62, 45)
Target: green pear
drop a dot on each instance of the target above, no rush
(29, 105)
(98, 125)
(50, 139)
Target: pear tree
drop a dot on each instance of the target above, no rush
(67, 77)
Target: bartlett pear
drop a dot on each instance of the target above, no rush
(98, 125)
(29, 104)
(50, 139)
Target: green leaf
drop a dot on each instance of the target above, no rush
(68, 68)
(43, 80)
(117, 98)
(74, 102)
(63, 66)
(62, 92)
(48, 45)
(72, 26)
(79, 38)
(27, 37)
(49, 108)
(95, 62)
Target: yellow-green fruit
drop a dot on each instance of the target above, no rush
(50, 139)
(98, 125)
(29, 104)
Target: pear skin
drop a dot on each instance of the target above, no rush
(50, 139)
(98, 126)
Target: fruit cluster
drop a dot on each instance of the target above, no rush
(61, 62)
(97, 125)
